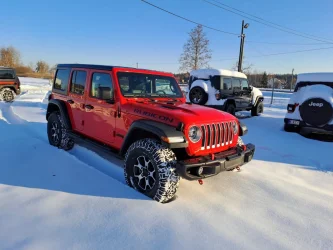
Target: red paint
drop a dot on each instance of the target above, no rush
(106, 120)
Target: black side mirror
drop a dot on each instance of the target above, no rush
(106, 94)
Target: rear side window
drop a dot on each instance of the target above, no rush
(236, 84)
(245, 85)
(61, 80)
(78, 82)
(7, 74)
(101, 86)
(227, 84)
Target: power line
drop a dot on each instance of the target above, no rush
(266, 20)
(269, 25)
(287, 43)
(208, 27)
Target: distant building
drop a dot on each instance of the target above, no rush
(278, 84)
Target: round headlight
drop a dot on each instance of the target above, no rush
(194, 134)
(235, 127)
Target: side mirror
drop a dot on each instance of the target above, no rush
(106, 94)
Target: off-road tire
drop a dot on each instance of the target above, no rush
(230, 108)
(258, 109)
(55, 125)
(200, 93)
(7, 95)
(163, 161)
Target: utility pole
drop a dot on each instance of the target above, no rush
(137, 65)
(241, 49)
(292, 79)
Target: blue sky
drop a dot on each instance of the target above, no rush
(126, 32)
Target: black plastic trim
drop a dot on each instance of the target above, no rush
(63, 111)
(156, 128)
(258, 99)
(216, 166)
(243, 129)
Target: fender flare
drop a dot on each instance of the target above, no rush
(162, 131)
(258, 99)
(61, 106)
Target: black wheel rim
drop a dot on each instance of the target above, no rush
(8, 96)
(260, 109)
(196, 95)
(55, 131)
(144, 173)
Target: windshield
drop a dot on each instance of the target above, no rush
(7, 74)
(146, 85)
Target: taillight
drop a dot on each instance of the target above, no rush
(291, 107)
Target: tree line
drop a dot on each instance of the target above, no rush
(11, 57)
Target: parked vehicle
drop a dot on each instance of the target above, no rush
(143, 117)
(310, 108)
(9, 84)
(224, 90)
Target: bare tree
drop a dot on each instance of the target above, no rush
(9, 57)
(196, 52)
(42, 67)
(246, 67)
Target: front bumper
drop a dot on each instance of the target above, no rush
(307, 129)
(224, 161)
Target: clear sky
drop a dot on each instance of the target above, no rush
(126, 32)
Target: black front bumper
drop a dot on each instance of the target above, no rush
(224, 161)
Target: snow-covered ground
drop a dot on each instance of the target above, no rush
(52, 199)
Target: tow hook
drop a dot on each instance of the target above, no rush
(238, 169)
(200, 182)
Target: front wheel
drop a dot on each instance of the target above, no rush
(231, 109)
(258, 109)
(150, 168)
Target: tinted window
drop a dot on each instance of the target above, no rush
(236, 84)
(61, 80)
(245, 85)
(134, 84)
(7, 74)
(101, 86)
(227, 84)
(78, 82)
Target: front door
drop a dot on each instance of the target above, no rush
(237, 93)
(76, 97)
(246, 93)
(99, 116)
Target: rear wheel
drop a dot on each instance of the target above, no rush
(150, 168)
(57, 132)
(231, 109)
(198, 96)
(258, 109)
(7, 95)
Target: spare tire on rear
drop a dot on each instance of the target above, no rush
(316, 111)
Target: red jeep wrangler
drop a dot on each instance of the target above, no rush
(143, 117)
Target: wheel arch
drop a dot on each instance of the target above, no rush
(258, 99)
(150, 129)
(58, 105)
(200, 83)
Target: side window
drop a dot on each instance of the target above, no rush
(236, 84)
(227, 84)
(245, 85)
(78, 82)
(61, 80)
(101, 86)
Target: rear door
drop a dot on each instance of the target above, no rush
(246, 93)
(100, 110)
(76, 97)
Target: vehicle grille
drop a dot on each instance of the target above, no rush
(216, 135)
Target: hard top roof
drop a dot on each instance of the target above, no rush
(205, 73)
(103, 67)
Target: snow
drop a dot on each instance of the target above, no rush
(315, 77)
(255, 93)
(206, 73)
(304, 93)
(52, 199)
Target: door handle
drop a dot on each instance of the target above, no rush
(88, 106)
(70, 101)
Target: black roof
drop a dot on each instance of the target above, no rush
(99, 67)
